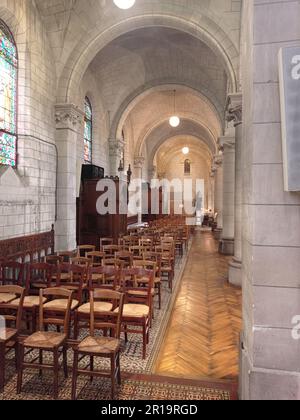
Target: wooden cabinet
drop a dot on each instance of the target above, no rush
(92, 226)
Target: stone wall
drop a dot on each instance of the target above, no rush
(28, 194)
(271, 237)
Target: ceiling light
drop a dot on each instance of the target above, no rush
(174, 121)
(124, 4)
(185, 150)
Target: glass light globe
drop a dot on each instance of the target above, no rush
(124, 4)
(185, 150)
(174, 122)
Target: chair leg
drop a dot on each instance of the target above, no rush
(119, 369)
(92, 367)
(2, 366)
(20, 368)
(159, 295)
(65, 361)
(113, 375)
(41, 362)
(144, 341)
(75, 375)
(76, 324)
(56, 374)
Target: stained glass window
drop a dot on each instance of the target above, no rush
(88, 131)
(8, 97)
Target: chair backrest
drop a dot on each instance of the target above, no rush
(147, 265)
(81, 261)
(54, 259)
(40, 273)
(125, 256)
(138, 280)
(105, 242)
(46, 316)
(83, 249)
(11, 313)
(12, 273)
(110, 320)
(111, 250)
(99, 276)
(67, 255)
(75, 280)
(113, 262)
(95, 258)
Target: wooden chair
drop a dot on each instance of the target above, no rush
(12, 273)
(12, 315)
(38, 276)
(156, 258)
(167, 264)
(105, 242)
(103, 278)
(137, 252)
(95, 258)
(67, 255)
(54, 260)
(103, 347)
(46, 341)
(110, 250)
(138, 303)
(83, 249)
(126, 257)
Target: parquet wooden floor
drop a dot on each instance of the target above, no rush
(202, 338)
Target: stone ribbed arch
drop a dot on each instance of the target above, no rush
(132, 101)
(162, 132)
(90, 45)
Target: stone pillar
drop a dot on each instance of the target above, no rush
(218, 170)
(138, 165)
(270, 362)
(116, 155)
(227, 144)
(211, 192)
(69, 120)
(234, 113)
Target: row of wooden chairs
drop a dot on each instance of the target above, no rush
(108, 345)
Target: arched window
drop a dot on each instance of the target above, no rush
(88, 131)
(8, 97)
(187, 167)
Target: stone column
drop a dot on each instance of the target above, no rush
(234, 113)
(227, 144)
(211, 196)
(116, 154)
(138, 165)
(218, 170)
(69, 120)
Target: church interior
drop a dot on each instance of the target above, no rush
(149, 200)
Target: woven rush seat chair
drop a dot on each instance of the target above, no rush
(103, 278)
(138, 303)
(47, 341)
(38, 274)
(82, 250)
(105, 242)
(107, 346)
(9, 332)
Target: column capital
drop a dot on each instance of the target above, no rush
(116, 147)
(226, 143)
(139, 162)
(234, 108)
(68, 116)
(218, 161)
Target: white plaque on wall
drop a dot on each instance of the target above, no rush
(289, 75)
